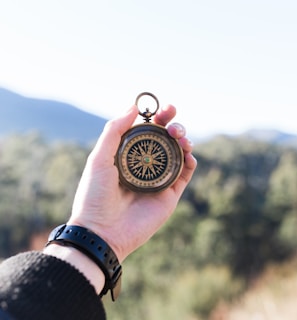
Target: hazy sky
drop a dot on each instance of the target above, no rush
(227, 66)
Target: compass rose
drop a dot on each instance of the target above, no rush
(147, 160)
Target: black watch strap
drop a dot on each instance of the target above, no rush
(96, 249)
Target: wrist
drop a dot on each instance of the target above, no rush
(103, 233)
(96, 249)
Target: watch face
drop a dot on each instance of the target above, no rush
(148, 159)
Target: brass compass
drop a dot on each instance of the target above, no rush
(148, 158)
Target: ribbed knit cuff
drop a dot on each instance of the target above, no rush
(34, 285)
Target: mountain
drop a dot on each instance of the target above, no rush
(271, 136)
(54, 120)
(61, 121)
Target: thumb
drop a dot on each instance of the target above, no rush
(108, 143)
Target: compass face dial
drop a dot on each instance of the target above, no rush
(148, 159)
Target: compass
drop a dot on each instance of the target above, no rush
(148, 158)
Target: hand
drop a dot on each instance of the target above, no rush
(124, 219)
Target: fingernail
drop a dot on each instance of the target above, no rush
(190, 142)
(180, 129)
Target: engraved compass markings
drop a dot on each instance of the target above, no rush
(147, 159)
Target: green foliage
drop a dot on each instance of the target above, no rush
(283, 185)
(37, 186)
(238, 214)
(233, 188)
(282, 200)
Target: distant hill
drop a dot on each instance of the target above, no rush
(54, 120)
(61, 121)
(271, 136)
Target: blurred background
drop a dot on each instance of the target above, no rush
(66, 67)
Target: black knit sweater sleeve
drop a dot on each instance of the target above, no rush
(38, 286)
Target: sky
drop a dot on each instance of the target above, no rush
(227, 66)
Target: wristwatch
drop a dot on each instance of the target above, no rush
(96, 249)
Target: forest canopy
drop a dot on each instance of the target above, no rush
(238, 214)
